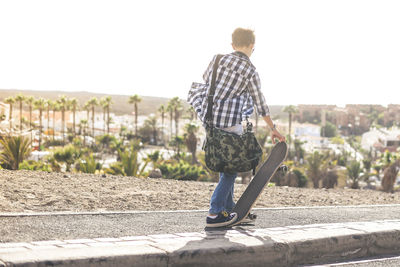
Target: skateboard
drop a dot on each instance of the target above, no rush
(260, 180)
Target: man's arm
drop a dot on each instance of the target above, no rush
(262, 107)
(274, 132)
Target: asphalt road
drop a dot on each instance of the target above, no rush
(75, 226)
(389, 261)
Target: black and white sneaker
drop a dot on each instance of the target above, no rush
(223, 219)
(250, 218)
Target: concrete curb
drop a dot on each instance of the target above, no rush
(279, 246)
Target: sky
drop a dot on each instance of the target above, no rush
(306, 52)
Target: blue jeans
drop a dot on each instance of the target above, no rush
(222, 198)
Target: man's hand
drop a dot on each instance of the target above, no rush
(276, 135)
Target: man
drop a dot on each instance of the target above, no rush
(237, 89)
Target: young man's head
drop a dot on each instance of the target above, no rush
(243, 40)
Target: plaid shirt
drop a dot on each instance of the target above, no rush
(237, 90)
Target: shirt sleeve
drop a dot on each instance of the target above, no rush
(257, 96)
(207, 73)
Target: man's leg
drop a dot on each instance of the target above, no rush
(229, 203)
(222, 192)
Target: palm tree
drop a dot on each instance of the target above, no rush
(83, 126)
(107, 104)
(29, 100)
(10, 100)
(191, 139)
(15, 150)
(63, 103)
(354, 170)
(87, 108)
(103, 106)
(20, 98)
(170, 110)
(151, 122)
(73, 102)
(178, 108)
(314, 163)
(135, 99)
(49, 105)
(162, 111)
(290, 110)
(40, 104)
(93, 102)
(55, 107)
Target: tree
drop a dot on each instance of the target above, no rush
(177, 142)
(67, 154)
(107, 104)
(49, 105)
(10, 100)
(162, 110)
(389, 176)
(354, 170)
(40, 104)
(151, 123)
(178, 108)
(135, 99)
(82, 129)
(55, 107)
(170, 110)
(87, 108)
(102, 104)
(329, 130)
(20, 99)
(93, 102)
(15, 150)
(29, 100)
(63, 104)
(290, 110)
(314, 164)
(191, 140)
(73, 102)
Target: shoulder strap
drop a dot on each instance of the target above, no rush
(209, 117)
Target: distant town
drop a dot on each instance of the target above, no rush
(360, 138)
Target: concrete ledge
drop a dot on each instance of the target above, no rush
(279, 246)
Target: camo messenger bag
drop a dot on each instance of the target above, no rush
(225, 151)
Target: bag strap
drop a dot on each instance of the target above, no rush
(210, 99)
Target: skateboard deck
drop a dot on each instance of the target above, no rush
(260, 180)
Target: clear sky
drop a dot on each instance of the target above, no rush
(307, 52)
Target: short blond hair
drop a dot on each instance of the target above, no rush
(243, 37)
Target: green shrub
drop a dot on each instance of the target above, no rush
(302, 178)
(181, 171)
(33, 165)
(15, 149)
(88, 164)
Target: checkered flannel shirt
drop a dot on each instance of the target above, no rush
(237, 90)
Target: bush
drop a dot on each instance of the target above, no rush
(67, 154)
(181, 171)
(15, 150)
(88, 165)
(33, 165)
(302, 178)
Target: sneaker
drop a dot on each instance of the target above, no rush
(223, 219)
(250, 218)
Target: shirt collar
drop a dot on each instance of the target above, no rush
(241, 54)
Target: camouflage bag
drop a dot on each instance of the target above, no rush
(226, 151)
(231, 153)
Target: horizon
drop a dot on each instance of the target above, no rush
(88, 92)
(307, 52)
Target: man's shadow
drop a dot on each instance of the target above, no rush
(224, 247)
